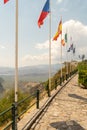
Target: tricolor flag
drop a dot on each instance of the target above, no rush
(74, 50)
(71, 46)
(68, 50)
(59, 31)
(44, 13)
(66, 37)
(5, 1)
(63, 42)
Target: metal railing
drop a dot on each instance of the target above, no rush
(14, 113)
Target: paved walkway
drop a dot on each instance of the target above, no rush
(68, 111)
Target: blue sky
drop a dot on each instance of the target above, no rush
(33, 41)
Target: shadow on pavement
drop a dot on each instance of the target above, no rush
(67, 125)
(78, 97)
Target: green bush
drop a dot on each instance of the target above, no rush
(83, 74)
(7, 101)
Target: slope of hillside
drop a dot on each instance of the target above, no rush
(38, 73)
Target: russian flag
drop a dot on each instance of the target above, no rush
(44, 13)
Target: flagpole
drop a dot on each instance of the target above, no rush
(49, 93)
(16, 54)
(61, 57)
(61, 60)
(61, 53)
(70, 55)
(66, 55)
(71, 58)
(67, 61)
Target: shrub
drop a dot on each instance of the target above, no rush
(83, 74)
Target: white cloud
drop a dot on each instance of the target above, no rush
(2, 47)
(42, 46)
(44, 57)
(59, 1)
(76, 30)
(35, 59)
(63, 10)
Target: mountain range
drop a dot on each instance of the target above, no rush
(38, 74)
(27, 70)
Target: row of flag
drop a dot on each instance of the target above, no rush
(45, 11)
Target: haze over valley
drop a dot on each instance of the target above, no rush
(38, 74)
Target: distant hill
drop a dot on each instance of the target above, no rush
(27, 70)
(40, 69)
(6, 71)
(27, 74)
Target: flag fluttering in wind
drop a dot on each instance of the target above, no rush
(63, 42)
(74, 50)
(71, 46)
(44, 13)
(66, 37)
(68, 50)
(59, 31)
(5, 1)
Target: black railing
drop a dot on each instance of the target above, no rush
(14, 113)
(4, 118)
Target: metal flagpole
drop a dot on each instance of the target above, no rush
(61, 61)
(16, 54)
(49, 94)
(66, 53)
(67, 60)
(61, 56)
(14, 126)
(61, 52)
(70, 54)
(67, 64)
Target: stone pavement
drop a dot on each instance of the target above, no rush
(67, 111)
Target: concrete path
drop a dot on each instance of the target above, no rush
(68, 111)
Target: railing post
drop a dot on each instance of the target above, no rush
(14, 116)
(38, 94)
(69, 75)
(48, 92)
(48, 89)
(63, 78)
(55, 84)
(66, 76)
(60, 80)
